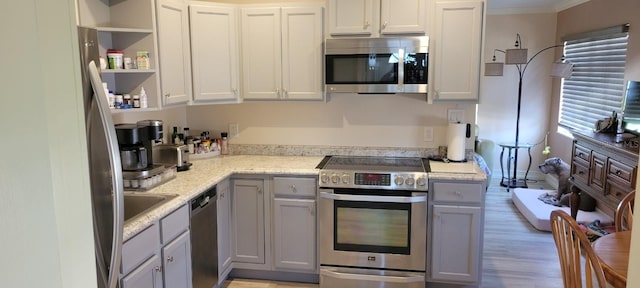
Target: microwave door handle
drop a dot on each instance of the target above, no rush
(374, 198)
(400, 70)
(375, 278)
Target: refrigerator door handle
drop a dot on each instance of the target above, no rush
(116, 167)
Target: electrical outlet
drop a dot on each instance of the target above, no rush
(234, 129)
(455, 115)
(428, 134)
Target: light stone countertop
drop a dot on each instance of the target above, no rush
(206, 173)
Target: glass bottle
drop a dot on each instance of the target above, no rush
(224, 145)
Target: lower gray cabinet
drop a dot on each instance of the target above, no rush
(160, 255)
(248, 221)
(224, 230)
(294, 225)
(177, 262)
(456, 225)
(147, 275)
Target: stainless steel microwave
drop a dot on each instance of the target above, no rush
(377, 65)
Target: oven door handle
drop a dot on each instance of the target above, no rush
(373, 198)
(374, 278)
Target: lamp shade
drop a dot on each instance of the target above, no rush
(493, 68)
(562, 69)
(516, 56)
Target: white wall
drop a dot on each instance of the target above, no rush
(345, 120)
(47, 238)
(499, 94)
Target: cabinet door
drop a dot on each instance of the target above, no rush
(214, 53)
(261, 53)
(247, 208)
(457, 52)
(598, 171)
(224, 229)
(352, 17)
(403, 16)
(147, 275)
(302, 53)
(455, 244)
(173, 49)
(295, 233)
(177, 262)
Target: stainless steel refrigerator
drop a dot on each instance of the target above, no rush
(104, 165)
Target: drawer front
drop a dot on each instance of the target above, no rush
(617, 191)
(580, 170)
(294, 186)
(174, 224)
(580, 152)
(457, 192)
(620, 171)
(139, 248)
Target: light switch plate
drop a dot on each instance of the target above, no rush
(428, 134)
(455, 115)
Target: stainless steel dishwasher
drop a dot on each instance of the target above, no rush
(204, 240)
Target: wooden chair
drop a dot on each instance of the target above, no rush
(572, 243)
(624, 212)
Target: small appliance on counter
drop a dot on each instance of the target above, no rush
(172, 154)
(136, 142)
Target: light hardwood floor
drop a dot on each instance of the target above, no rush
(515, 253)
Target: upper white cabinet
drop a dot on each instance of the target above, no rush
(282, 53)
(173, 46)
(129, 26)
(456, 50)
(214, 52)
(377, 17)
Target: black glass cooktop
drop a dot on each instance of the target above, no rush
(371, 163)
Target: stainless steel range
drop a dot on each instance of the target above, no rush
(373, 215)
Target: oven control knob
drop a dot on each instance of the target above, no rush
(345, 179)
(335, 178)
(422, 181)
(410, 181)
(399, 180)
(324, 178)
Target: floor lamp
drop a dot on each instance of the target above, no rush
(518, 57)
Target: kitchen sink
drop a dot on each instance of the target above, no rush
(138, 204)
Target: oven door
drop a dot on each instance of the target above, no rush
(372, 228)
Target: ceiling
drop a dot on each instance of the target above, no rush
(529, 6)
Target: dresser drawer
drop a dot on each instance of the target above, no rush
(580, 170)
(580, 152)
(294, 186)
(457, 192)
(620, 171)
(616, 191)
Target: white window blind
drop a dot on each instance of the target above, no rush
(596, 86)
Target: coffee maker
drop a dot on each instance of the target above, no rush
(135, 142)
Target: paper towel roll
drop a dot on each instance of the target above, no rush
(456, 141)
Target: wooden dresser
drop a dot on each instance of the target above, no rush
(603, 168)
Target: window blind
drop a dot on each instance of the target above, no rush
(596, 86)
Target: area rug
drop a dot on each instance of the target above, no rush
(538, 212)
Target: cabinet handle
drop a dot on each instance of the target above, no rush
(170, 259)
(618, 172)
(234, 91)
(285, 93)
(618, 194)
(158, 269)
(311, 210)
(366, 24)
(384, 26)
(580, 172)
(293, 188)
(167, 95)
(259, 190)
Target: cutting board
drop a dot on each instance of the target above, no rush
(451, 167)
